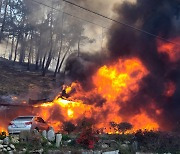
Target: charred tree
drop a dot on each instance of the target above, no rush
(37, 61)
(64, 57)
(61, 44)
(51, 47)
(43, 60)
(23, 48)
(16, 48)
(12, 46)
(1, 1)
(30, 52)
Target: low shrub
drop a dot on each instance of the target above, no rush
(2, 135)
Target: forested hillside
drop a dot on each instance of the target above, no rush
(40, 34)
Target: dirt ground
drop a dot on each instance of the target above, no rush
(16, 80)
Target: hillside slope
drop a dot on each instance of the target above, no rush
(15, 80)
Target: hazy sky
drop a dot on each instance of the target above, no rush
(104, 7)
(93, 31)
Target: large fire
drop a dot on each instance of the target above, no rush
(113, 85)
(171, 49)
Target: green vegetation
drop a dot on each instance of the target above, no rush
(2, 135)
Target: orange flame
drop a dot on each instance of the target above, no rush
(115, 83)
(3, 129)
(172, 50)
(170, 89)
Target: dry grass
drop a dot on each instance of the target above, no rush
(15, 79)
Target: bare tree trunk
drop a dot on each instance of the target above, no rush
(47, 63)
(30, 52)
(51, 48)
(4, 20)
(7, 43)
(58, 61)
(12, 42)
(23, 48)
(43, 61)
(32, 56)
(60, 50)
(1, 5)
(40, 62)
(12, 47)
(38, 54)
(37, 59)
(59, 69)
(17, 43)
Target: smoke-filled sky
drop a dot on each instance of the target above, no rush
(157, 17)
(92, 31)
(97, 31)
(117, 42)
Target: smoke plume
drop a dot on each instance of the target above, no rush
(160, 18)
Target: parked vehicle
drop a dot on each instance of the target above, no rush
(27, 123)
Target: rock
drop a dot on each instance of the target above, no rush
(4, 149)
(51, 135)
(111, 152)
(12, 146)
(104, 146)
(49, 143)
(1, 146)
(57, 152)
(135, 146)
(127, 142)
(5, 146)
(58, 140)
(24, 149)
(145, 153)
(44, 133)
(6, 140)
(15, 139)
(1, 141)
(87, 152)
(8, 149)
(40, 151)
(10, 152)
(35, 139)
(111, 143)
(24, 136)
(124, 146)
(97, 152)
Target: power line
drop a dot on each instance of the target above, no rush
(116, 21)
(124, 24)
(68, 14)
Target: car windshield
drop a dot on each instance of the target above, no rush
(23, 118)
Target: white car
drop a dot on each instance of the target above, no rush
(27, 123)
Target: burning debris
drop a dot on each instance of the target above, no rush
(124, 97)
(136, 81)
(158, 91)
(113, 86)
